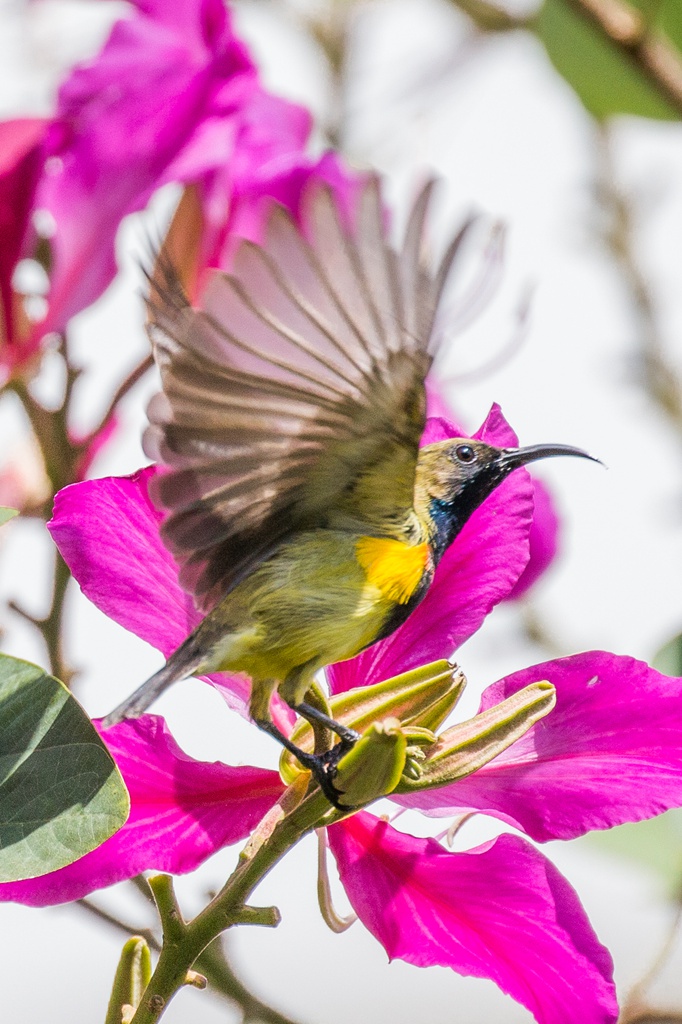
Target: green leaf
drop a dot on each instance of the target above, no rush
(669, 659)
(605, 78)
(665, 15)
(6, 514)
(61, 795)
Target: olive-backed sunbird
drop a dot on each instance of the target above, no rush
(305, 518)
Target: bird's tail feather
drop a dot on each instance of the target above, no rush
(182, 664)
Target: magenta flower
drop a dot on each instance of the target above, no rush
(21, 156)
(284, 182)
(544, 540)
(610, 752)
(172, 96)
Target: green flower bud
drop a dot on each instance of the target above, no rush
(374, 766)
(132, 977)
(466, 747)
(422, 698)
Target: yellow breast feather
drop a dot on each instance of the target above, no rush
(395, 568)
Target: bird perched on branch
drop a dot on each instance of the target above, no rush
(306, 520)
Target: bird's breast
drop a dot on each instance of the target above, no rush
(394, 568)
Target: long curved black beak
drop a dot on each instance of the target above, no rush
(512, 458)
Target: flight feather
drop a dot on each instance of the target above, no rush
(293, 397)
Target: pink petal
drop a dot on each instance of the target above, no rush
(167, 99)
(282, 180)
(610, 752)
(108, 534)
(544, 540)
(476, 572)
(501, 911)
(21, 155)
(181, 812)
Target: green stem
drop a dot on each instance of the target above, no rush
(213, 963)
(185, 941)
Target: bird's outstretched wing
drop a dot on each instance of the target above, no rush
(294, 397)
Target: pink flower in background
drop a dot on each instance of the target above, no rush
(283, 182)
(610, 752)
(21, 157)
(543, 540)
(172, 96)
(23, 481)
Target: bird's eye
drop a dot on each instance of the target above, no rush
(465, 453)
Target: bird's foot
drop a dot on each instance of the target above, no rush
(323, 769)
(322, 766)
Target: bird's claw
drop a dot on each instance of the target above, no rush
(323, 769)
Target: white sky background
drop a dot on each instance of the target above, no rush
(510, 139)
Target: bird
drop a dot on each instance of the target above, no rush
(306, 520)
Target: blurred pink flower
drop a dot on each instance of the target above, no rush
(173, 96)
(24, 484)
(610, 752)
(21, 157)
(282, 182)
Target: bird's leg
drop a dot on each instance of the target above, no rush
(348, 737)
(302, 694)
(322, 766)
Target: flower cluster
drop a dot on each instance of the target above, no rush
(173, 96)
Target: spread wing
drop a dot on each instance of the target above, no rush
(294, 397)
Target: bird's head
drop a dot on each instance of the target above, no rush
(455, 476)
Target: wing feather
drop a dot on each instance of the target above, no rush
(294, 397)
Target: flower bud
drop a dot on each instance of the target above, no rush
(132, 977)
(422, 698)
(466, 747)
(374, 766)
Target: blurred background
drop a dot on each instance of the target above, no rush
(531, 119)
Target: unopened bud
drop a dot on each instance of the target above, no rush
(374, 766)
(132, 977)
(422, 698)
(466, 747)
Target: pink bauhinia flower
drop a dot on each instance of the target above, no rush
(610, 752)
(21, 158)
(543, 540)
(173, 96)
